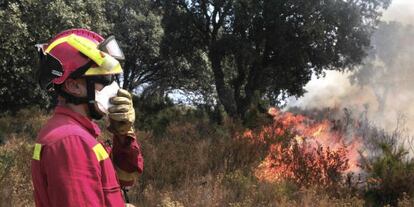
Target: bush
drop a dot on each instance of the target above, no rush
(301, 150)
(15, 176)
(196, 162)
(391, 175)
(26, 121)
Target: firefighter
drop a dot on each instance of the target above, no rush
(69, 166)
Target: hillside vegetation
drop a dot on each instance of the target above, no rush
(191, 161)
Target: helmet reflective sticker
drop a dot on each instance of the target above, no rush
(87, 47)
(102, 71)
(110, 46)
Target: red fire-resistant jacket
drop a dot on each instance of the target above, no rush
(71, 168)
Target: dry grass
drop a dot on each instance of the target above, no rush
(17, 134)
(194, 163)
(15, 177)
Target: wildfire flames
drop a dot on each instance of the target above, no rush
(304, 151)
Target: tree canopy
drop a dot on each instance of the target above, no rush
(240, 54)
(267, 50)
(26, 23)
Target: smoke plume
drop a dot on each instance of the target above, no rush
(383, 86)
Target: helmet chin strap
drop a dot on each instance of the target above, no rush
(71, 98)
(90, 90)
(89, 99)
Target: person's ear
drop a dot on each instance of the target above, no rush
(74, 87)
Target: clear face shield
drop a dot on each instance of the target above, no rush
(110, 46)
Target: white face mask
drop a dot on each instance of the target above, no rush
(102, 97)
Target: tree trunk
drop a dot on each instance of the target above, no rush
(225, 95)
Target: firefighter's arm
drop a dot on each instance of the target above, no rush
(75, 176)
(126, 152)
(127, 158)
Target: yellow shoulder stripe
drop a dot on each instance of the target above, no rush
(36, 151)
(100, 152)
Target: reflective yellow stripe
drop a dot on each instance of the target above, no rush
(82, 44)
(36, 152)
(125, 176)
(56, 43)
(100, 152)
(86, 47)
(102, 71)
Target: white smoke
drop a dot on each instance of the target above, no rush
(400, 11)
(386, 86)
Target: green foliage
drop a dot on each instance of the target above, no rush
(392, 175)
(246, 54)
(14, 72)
(26, 121)
(266, 50)
(137, 27)
(155, 113)
(26, 23)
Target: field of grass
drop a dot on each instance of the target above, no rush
(190, 161)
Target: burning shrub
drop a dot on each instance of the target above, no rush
(303, 151)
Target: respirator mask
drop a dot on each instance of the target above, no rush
(103, 96)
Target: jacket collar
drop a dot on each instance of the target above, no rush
(82, 120)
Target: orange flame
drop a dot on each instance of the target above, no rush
(304, 151)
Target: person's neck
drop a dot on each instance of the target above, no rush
(80, 108)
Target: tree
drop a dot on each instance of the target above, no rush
(25, 23)
(137, 27)
(267, 50)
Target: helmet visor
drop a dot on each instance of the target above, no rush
(110, 46)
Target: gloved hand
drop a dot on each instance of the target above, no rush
(121, 114)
